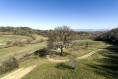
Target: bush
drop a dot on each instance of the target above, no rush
(25, 57)
(18, 42)
(9, 65)
(73, 61)
(42, 52)
(64, 66)
(33, 37)
(42, 40)
(9, 43)
(29, 41)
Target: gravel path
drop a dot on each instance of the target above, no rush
(18, 74)
(78, 58)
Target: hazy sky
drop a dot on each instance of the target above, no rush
(46, 14)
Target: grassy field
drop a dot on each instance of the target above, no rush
(39, 39)
(5, 38)
(79, 48)
(102, 65)
(20, 51)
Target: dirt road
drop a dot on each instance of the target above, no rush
(18, 74)
(78, 58)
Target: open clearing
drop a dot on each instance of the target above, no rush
(93, 61)
(92, 67)
(5, 38)
(20, 51)
(19, 73)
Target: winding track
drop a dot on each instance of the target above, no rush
(19, 73)
(78, 58)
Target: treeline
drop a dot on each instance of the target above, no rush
(27, 31)
(17, 30)
(76, 35)
(85, 35)
(110, 36)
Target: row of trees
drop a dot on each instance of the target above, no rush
(18, 42)
(84, 35)
(18, 30)
(110, 36)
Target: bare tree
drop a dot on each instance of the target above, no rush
(60, 37)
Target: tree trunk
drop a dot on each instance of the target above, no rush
(61, 53)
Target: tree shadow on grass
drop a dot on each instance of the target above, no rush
(108, 66)
(41, 52)
(58, 53)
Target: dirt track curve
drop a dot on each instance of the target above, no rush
(78, 58)
(19, 73)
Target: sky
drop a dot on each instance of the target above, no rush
(48, 14)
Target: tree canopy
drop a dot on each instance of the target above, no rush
(59, 37)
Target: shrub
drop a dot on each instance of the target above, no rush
(73, 61)
(86, 45)
(71, 64)
(29, 41)
(33, 37)
(42, 52)
(9, 65)
(63, 66)
(42, 40)
(9, 43)
(18, 42)
(25, 57)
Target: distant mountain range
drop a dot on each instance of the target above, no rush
(92, 30)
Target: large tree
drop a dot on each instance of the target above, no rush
(60, 37)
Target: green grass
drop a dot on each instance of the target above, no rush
(33, 60)
(39, 39)
(94, 67)
(102, 65)
(19, 51)
(79, 48)
(5, 38)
